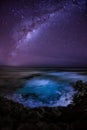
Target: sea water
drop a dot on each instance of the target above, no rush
(51, 89)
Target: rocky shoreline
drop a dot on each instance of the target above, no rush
(14, 116)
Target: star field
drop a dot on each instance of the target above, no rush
(43, 33)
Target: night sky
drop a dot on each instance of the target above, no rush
(43, 33)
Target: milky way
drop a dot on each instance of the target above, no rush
(43, 33)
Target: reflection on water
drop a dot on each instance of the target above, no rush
(50, 89)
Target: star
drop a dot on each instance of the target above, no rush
(45, 31)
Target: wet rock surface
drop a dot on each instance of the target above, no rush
(14, 116)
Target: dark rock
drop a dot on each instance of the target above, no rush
(16, 116)
(27, 126)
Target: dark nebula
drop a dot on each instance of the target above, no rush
(43, 33)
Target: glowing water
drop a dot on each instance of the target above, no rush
(51, 89)
(39, 92)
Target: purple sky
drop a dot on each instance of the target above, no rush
(43, 33)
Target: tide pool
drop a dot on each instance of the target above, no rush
(44, 92)
(49, 89)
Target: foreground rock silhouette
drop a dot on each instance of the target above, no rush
(14, 116)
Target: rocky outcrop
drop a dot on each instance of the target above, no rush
(14, 116)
